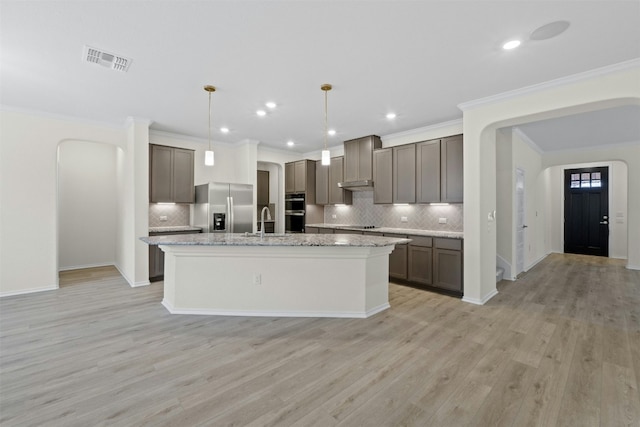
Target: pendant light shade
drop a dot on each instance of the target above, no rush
(326, 157)
(208, 158)
(208, 155)
(326, 154)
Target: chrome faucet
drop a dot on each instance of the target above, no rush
(262, 220)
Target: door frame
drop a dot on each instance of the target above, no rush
(563, 177)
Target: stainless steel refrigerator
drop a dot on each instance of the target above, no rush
(224, 208)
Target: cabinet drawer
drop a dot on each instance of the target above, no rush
(453, 244)
(427, 242)
(325, 230)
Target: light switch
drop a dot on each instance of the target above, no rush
(442, 220)
(404, 219)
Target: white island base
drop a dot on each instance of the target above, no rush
(292, 281)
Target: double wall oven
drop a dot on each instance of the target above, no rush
(294, 212)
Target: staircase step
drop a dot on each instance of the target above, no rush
(499, 274)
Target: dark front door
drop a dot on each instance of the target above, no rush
(586, 211)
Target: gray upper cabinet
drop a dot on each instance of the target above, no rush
(383, 175)
(358, 158)
(452, 185)
(171, 175)
(289, 178)
(262, 196)
(428, 171)
(300, 177)
(439, 170)
(404, 174)
(337, 195)
(322, 183)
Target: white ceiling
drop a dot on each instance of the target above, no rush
(417, 59)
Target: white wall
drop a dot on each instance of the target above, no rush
(28, 195)
(530, 161)
(618, 177)
(87, 204)
(613, 86)
(505, 203)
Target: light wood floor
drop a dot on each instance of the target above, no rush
(559, 347)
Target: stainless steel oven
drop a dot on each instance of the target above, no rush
(294, 213)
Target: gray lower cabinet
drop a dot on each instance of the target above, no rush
(325, 230)
(429, 263)
(311, 230)
(269, 227)
(156, 264)
(421, 260)
(398, 259)
(447, 264)
(156, 256)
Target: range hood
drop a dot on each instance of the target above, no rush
(364, 185)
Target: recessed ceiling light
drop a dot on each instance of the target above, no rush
(549, 30)
(290, 143)
(224, 130)
(270, 104)
(261, 113)
(511, 44)
(331, 132)
(391, 116)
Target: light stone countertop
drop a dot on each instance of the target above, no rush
(270, 239)
(405, 231)
(174, 228)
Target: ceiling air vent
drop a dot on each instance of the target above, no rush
(106, 59)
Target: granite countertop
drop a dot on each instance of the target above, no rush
(405, 231)
(173, 229)
(270, 239)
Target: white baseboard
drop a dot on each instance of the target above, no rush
(534, 263)
(27, 291)
(255, 313)
(482, 301)
(139, 284)
(633, 267)
(80, 267)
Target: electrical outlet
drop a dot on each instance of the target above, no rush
(334, 216)
(163, 218)
(404, 219)
(257, 278)
(442, 220)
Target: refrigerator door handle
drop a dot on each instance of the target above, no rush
(230, 214)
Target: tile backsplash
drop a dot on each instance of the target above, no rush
(364, 212)
(176, 215)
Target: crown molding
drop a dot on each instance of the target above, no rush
(530, 142)
(172, 135)
(562, 81)
(594, 147)
(138, 121)
(411, 132)
(62, 117)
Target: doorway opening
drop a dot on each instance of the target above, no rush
(586, 211)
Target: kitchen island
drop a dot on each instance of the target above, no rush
(300, 275)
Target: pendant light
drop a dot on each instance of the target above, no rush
(326, 154)
(208, 155)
